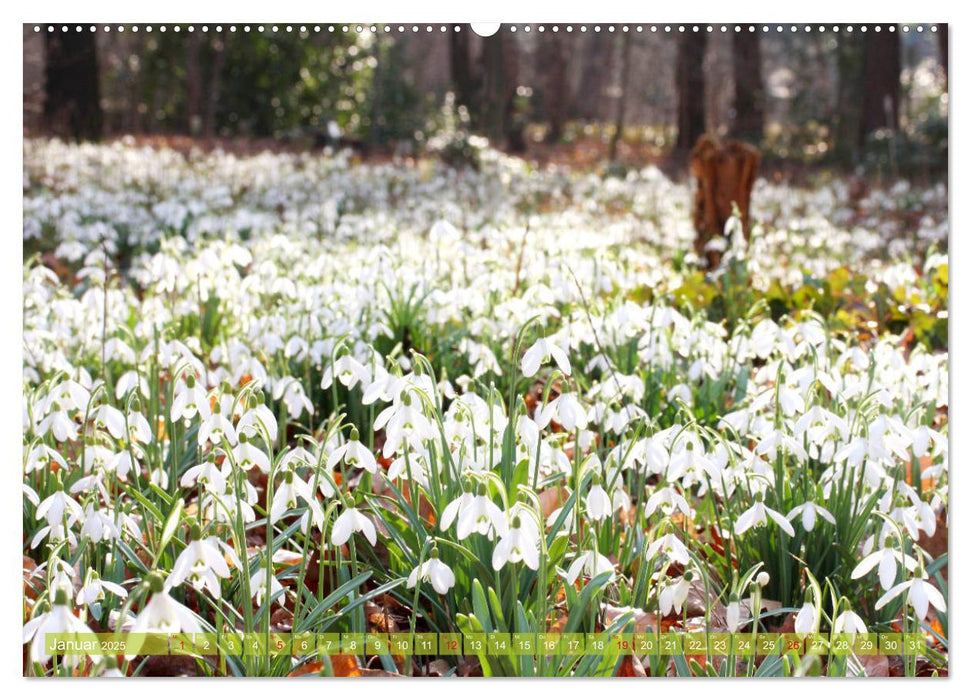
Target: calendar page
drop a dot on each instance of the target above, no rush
(600, 349)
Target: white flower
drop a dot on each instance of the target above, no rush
(887, 559)
(350, 521)
(849, 622)
(668, 500)
(455, 508)
(482, 516)
(433, 571)
(259, 420)
(162, 613)
(567, 411)
(733, 614)
(809, 512)
(675, 594)
(349, 372)
(55, 506)
(202, 563)
(919, 592)
(214, 428)
(590, 563)
(286, 494)
(190, 399)
(516, 545)
(598, 502)
(59, 620)
(759, 514)
(294, 398)
(674, 549)
(354, 454)
(540, 353)
(257, 586)
(94, 590)
(807, 619)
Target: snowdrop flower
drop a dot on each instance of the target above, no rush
(886, 561)
(733, 614)
(674, 549)
(258, 421)
(668, 499)
(291, 392)
(349, 372)
(202, 563)
(208, 474)
(591, 563)
(540, 354)
(94, 589)
(286, 493)
(247, 456)
(354, 454)
(567, 411)
(807, 619)
(598, 501)
(809, 512)
(433, 571)
(849, 622)
(516, 545)
(482, 516)
(759, 514)
(112, 419)
(55, 506)
(99, 525)
(42, 458)
(214, 428)
(349, 522)
(162, 613)
(190, 399)
(455, 508)
(674, 595)
(919, 594)
(257, 586)
(60, 424)
(59, 620)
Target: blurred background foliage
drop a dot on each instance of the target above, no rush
(851, 99)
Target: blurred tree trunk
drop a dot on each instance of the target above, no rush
(621, 97)
(749, 122)
(460, 68)
(493, 87)
(942, 46)
(193, 85)
(846, 141)
(596, 68)
(501, 61)
(881, 81)
(691, 88)
(215, 77)
(72, 103)
(556, 88)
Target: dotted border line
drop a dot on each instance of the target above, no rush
(305, 29)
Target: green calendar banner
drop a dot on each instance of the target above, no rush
(310, 644)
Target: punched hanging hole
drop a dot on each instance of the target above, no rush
(485, 29)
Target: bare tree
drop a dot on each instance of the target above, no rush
(552, 59)
(691, 88)
(460, 68)
(72, 104)
(942, 46)
(749, 119)
(881, 81)
(621, 96)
